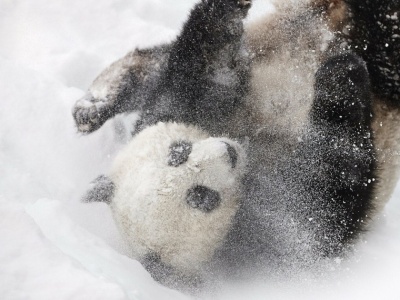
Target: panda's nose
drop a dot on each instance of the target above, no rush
(232, 153)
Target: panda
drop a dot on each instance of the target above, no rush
(312, 91)
(173, 203)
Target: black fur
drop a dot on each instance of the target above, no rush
(169, 276)
(233, 156)
(340, 146)
(203, 198)
(342, 94)
(179, 153)
(375, 36)
(191, 87)
(102, 190)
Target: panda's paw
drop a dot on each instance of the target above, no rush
(244, 4)
(101, 190)
(170, 276)
(342, 91)
(88, 115)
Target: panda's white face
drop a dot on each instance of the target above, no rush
(176, 192)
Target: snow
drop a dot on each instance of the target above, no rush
(53, 246)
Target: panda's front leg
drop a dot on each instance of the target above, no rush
(336, 159)
(116, 89)
(207, 72)
(212, 25)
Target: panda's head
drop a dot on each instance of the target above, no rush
(175, 193)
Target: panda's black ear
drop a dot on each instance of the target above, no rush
(102, 190)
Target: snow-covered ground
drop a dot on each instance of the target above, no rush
(51, 245)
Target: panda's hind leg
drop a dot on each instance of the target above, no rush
(342, 93)
(337, 155)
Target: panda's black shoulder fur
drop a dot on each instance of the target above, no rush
(375, 36)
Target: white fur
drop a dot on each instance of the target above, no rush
(288, 57)
(150, 197)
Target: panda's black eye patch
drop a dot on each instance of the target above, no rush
(179, 153)
(233, 156)
(203, 198)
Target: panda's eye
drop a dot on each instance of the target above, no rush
(179, 153)
(203, 198)
(233, 156)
